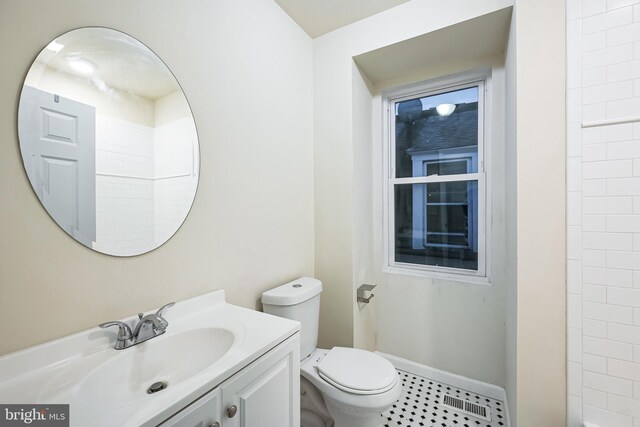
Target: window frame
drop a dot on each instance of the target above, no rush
(481, 79)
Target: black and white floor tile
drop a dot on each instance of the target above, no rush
(420, 405)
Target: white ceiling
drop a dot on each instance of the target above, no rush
(120, 61)
(318, 17)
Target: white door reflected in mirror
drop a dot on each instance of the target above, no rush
(108, 141)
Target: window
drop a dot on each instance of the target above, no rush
(435, 193)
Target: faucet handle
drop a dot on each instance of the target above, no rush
(162, 309)
(124, 331)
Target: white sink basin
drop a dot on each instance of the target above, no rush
(206, 342)
(126, 377)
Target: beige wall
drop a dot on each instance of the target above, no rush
(455, 326)
(541, 191)
(251, 226)
(451, 326)
(364, 315)
(527, 304)
(511, 202)
(171, 108)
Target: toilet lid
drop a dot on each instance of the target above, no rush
(357, 371)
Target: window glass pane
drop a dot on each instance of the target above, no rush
(437, 224)
(447, 192)
(437, 134)
(449, 167)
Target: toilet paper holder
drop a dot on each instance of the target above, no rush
(362, 292)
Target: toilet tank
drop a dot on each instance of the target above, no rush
(297, 300)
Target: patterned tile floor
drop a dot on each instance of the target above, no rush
(420, 405)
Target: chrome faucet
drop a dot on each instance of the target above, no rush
(149, 326)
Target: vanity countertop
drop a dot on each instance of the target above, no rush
(207, 341)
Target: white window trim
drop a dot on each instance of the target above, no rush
(446, 84)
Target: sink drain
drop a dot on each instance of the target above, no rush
(157, 386)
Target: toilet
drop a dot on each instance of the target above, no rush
(343, 387)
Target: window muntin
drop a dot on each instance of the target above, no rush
(436, 183)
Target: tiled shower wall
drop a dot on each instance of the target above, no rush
(175, 171)
(603, 212)
(145, 182)
(124, 186)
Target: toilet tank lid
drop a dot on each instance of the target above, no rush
(294, 292)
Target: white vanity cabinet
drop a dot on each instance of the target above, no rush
(214, 356)
(204, 412)
(265, 393)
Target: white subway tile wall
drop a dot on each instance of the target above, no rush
(124, 186)
(603, 212)
(146, 180)
(176, 175)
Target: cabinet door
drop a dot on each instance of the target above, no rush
(204, 412)
(267, 392)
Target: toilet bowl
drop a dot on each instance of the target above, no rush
(313, 410)
(355, 385)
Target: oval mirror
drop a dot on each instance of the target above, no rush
(108, 141)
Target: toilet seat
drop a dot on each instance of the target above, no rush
(356, 391)
(357, 371)
(348, 400)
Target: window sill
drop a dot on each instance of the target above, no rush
(436, 275)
